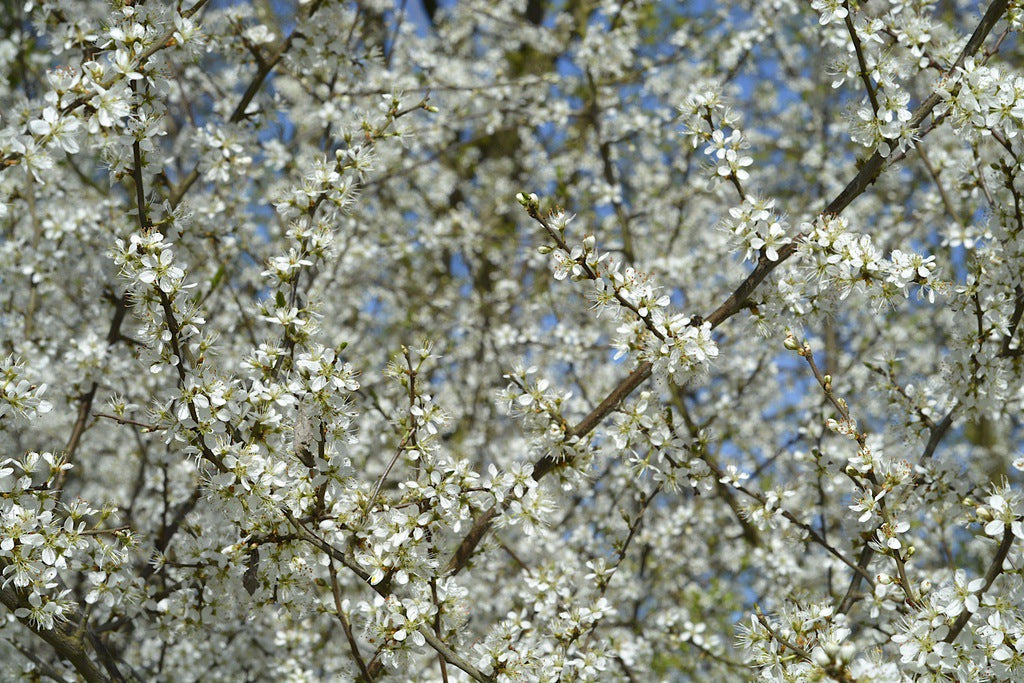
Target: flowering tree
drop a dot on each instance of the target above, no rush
(519, 341)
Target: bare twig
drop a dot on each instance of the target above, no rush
(345, 626)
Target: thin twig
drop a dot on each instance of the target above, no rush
(345, 626)
(126, 421)
(861, 62)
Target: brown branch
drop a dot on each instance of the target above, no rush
(346, 627)
(750, 532)
(126, 421)
(262, 72)
(947, 203)
(866, 553)
(861, 62)
(169, 530)
(608, 168)
(442, 665)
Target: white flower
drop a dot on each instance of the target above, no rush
(830, 11)
(65, 135)
(111, 106)
(185, 30)
(775, 238)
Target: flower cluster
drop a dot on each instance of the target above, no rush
(840, 262)
(882, 120)
(654, 448)
(755, 226)
(981, 101)
(679, 347)
(819, 633)
(18, 395)
(706, 118)
(541, 407)
(704, 112)
(41, 538)
(148, 260)
(171, 326)
(887, 128)
(284, 483)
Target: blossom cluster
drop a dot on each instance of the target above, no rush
(755, 226)
(43, 537)
(262, 271)
(840, 262)
(982, 101)
(19, 395)
(706, 117)
(678, 346)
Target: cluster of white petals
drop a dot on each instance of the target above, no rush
(296, 384)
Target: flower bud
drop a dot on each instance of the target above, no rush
(527, 200)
